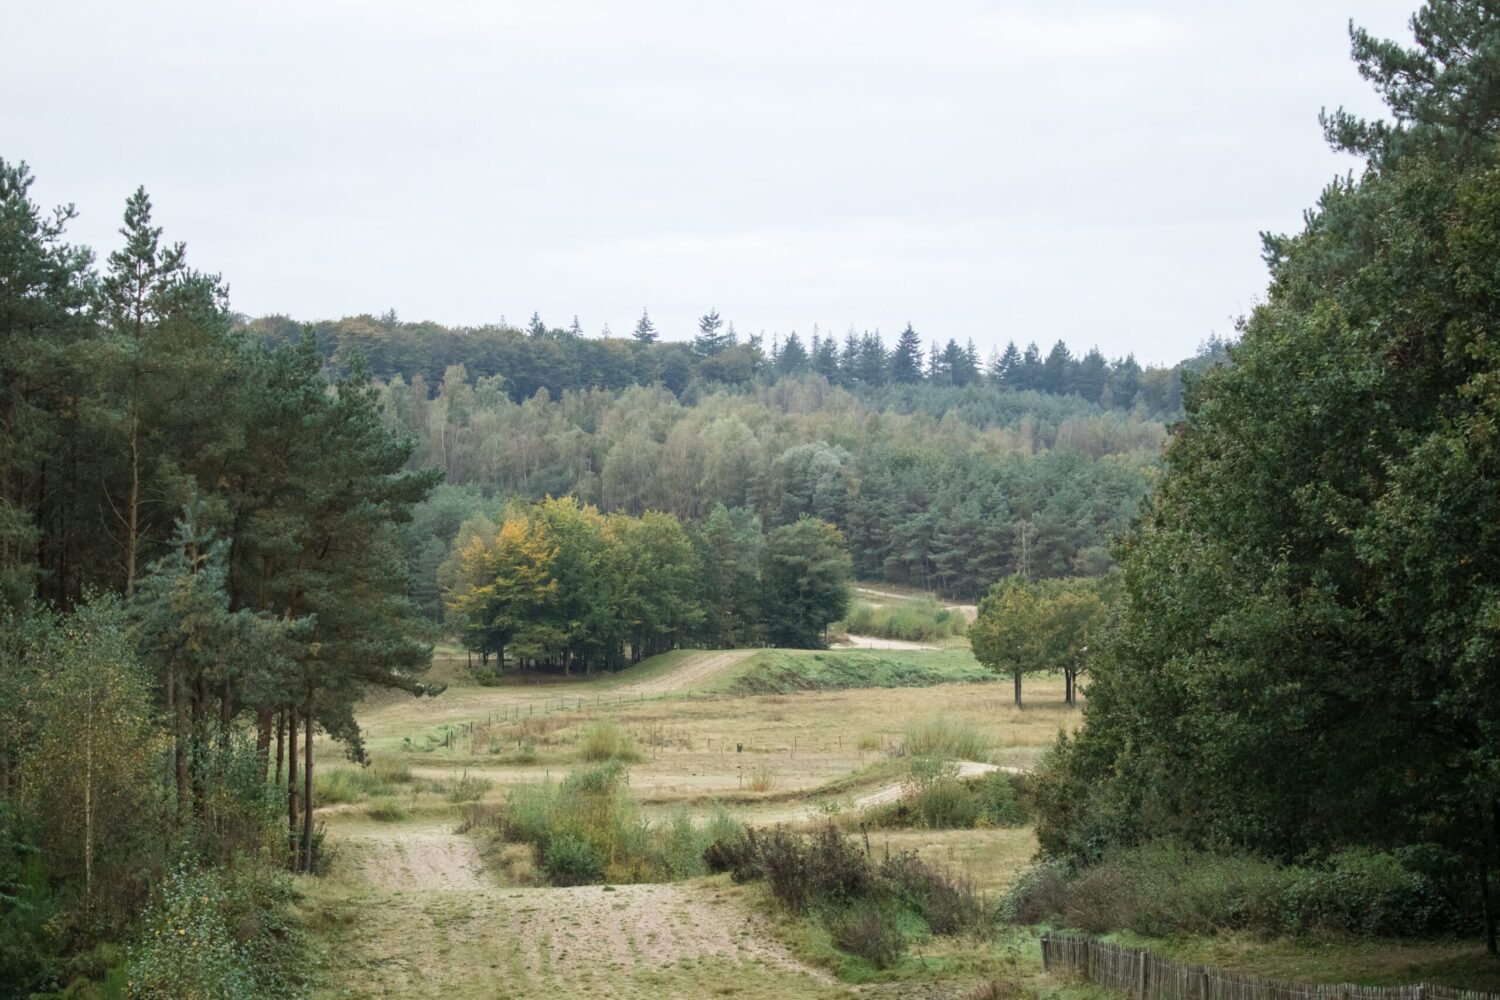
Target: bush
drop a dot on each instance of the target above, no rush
(937, 798)
(212, 934)
(869, 931)
(335, 786)
(998, 803)
(586, 828)
(387, 809)
(762, 778)
(604, 741)
(947, 906)
(946, 737)
(1038, 894)
(467, 789)
(1161, 890)
(920, 620)
(571, 860)
(868, 910)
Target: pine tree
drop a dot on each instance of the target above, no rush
(1058, 370)
(825, 358)
(791, 358)
(136, 290)
(645, 332)
(849, 359)
(709, 341)
(536, 327)
(576, 330)
(906, 359)
(874, 362)
(1007, 366)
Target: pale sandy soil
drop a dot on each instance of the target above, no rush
(422, 919)
(693, 671)
(871, 642)
(970, 611)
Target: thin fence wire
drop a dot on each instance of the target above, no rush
(1148, 976)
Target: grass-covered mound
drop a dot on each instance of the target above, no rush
(781, 671)
(586, 829)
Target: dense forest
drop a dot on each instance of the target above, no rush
(1303, 662)
(200, 564)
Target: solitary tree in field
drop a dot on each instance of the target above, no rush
(1009, 636)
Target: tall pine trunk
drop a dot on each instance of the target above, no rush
(307, 799)
(263, 720)
(280, 744)
(291, 789)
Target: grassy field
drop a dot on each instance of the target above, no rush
(412, 908)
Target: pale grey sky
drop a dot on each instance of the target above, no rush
(1028, 170)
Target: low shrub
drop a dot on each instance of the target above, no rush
(467, 789)
(604, 741)
(870, 931)
(215, 933)
(919, 620)
(869, 910)
(936, 797)
(946, 737)
(571, 860)
(762, 778)
(387, 809)
(587, 829)
(1161, 890)
(948, 905)
(335, 786)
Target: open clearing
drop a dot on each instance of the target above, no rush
(411, 908)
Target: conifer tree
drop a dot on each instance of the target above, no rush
(645, 331)
(906, 359)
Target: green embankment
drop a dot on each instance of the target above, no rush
(778, 671)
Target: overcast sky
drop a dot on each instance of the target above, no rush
(1027, 170)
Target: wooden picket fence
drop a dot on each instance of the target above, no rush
(1147, 976)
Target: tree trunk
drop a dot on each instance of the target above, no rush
(1491, 834)
(132, 537)
(1018, 689)
(263, 719)
(291, 788)
(280, 744)
(1068, 682)
(178, 705)
(307, 799)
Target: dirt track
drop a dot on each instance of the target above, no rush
(694, 671)
(894, 791)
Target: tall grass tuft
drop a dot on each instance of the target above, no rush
(586, 829)
(604, 741)
(946, 737)
(917, 620)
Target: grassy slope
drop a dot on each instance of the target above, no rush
(782, 671)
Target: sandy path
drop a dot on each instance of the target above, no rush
(415, 859)
(426, 920)
(694, 671)
(894, 791)
(871, 642)
(969, 611)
